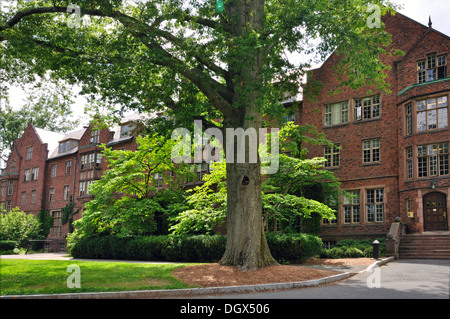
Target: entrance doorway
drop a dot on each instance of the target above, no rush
(435, 212)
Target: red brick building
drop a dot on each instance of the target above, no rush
(393, 153)
(46, 169)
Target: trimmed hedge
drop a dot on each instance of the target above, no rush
(7, 247)
(351, 248)
(182, 248)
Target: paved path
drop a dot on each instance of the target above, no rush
(400, 279)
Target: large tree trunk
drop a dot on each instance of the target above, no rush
(246, 243)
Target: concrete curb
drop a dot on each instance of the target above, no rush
(155, 294)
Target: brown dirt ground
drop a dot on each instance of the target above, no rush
(216, 275)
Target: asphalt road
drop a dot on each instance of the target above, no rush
(400, 279)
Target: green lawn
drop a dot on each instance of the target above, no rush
(26, 277)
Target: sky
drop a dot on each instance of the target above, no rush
(419, 10)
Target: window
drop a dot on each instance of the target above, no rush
(159, 180)
(54, 167)
(127, 130)
(68, 167)
(408, 119)
(88, 184)
(375, 205)
(35, 173)
(33, 196)
(27, 175)
(95, 137)
(82, 188)
(432, 68)
(367, 108)
(336, 113)
(66, 192)
(3, 189)
(29, 153)
(57, 224)
(329, 221)
(352, 208)
(407, 205)
(65, 146)
(409, 163)
(289, 118)
(98, 162)
(91, 160)
(10, 187)
(332, 155)
(201, 171)
(432, 114)
(433, 160)
(23, 200)
(83, 162)
(371, 151)
(8, 205)
(51, 194)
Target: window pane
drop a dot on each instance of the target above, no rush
(370, 196)
(431, 61)
(379, 212)
(370, 213)
(442, 60)
(433, 166)
(422, 150)
(347, 214)
(443, 118)
(431, 75)
(336, 113)
(379, 193)
(421, 105)
(356, 214)
(443, 165)
(376, 155)
(421, 65)
(422, 167)
(367, 109)
(421, 121)
(432, 120)
(358, 110)
(345, 112)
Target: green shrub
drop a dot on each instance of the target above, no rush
(293, 247)
(7, 245)
(183, 248)
(351, 248)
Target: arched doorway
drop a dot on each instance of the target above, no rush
(435, 212)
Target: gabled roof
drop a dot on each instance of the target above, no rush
(49, 138)
(74, 135)
(425, 29)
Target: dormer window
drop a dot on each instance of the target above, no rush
(433, 68)
(127, 130)
(65, 146)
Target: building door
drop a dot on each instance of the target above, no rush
(435, 212)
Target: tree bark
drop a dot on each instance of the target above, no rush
(246, 242)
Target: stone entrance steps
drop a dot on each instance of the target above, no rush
(425, 246)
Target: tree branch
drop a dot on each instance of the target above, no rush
(218, 94)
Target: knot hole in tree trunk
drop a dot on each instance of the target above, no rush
(245, 180)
